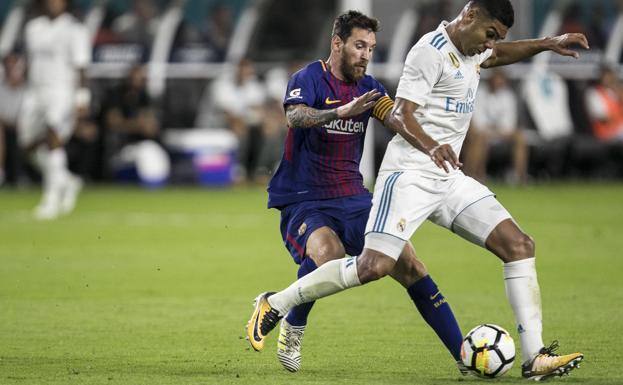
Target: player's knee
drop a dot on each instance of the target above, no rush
(371, 267)
(521, 247)
(327, 252)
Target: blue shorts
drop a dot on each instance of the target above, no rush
(346, 216)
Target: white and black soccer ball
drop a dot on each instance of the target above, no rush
(488, 350)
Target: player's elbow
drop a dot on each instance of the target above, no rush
(395, 122)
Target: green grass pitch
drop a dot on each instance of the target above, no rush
(143, 287)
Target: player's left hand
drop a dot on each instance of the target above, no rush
(443, 155)
(560, 44)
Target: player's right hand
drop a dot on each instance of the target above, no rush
(358, 105)
(442, 155)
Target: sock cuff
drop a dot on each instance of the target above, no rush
(348, 272)
(521, 268)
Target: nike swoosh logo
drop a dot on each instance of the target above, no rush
(329, 101)
(256, 337)
(432, 297)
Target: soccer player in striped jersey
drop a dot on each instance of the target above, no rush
(318, 187)
(420, 178)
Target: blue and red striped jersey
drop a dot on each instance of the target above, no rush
(322, 162)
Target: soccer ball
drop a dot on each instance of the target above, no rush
(488, 350)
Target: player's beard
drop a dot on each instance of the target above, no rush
(353, 72)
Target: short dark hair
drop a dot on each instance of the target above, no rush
(501, 10)
(344, 24)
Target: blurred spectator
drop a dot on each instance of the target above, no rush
(572, 20)
(133, 131)
(237, 101)
(275, 125)
(494, 124)
(594, 26)
(83, 147)
(139, 24)
(218, 29)
(207, 43)
(12, 89)
(604, 103)
(598, 27)
(105, 34)
(430, 14)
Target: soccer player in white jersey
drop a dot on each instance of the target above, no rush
(420, 178)
(58, 51)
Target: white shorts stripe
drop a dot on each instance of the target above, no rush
(381, 217)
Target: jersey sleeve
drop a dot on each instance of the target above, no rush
(301, 90)
(81, 46)
(423, 68)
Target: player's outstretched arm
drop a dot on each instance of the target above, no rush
(303, 116)
(402, 121)
(511, 52)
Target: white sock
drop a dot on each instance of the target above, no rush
(330, 278)
(55, 174)
(59, 173)
(524, 295)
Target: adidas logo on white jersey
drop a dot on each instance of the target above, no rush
(458, 75)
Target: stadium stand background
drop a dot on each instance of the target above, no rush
(186, 46)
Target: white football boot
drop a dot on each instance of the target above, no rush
(289, 345)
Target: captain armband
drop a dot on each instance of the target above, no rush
(382, 107)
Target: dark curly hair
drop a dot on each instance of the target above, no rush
(501, 10)
(344, 24)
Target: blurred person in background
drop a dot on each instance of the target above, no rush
(241, 100)
(58, 52)
(206, 40)
(83, 147)
(275, 124)
(139, 24)
(218, 29)
(12, 88)
(133, 130)
(430, 14)
(495, 123)
(594, 25)
(604, 102)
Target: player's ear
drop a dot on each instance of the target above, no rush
(336, 43)
(471, 14)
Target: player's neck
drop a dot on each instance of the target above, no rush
(334, 67)
(452, 29)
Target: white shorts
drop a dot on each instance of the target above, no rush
(402, 201)
(43, 109)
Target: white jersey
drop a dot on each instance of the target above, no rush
(443, 82)
(56, 49)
